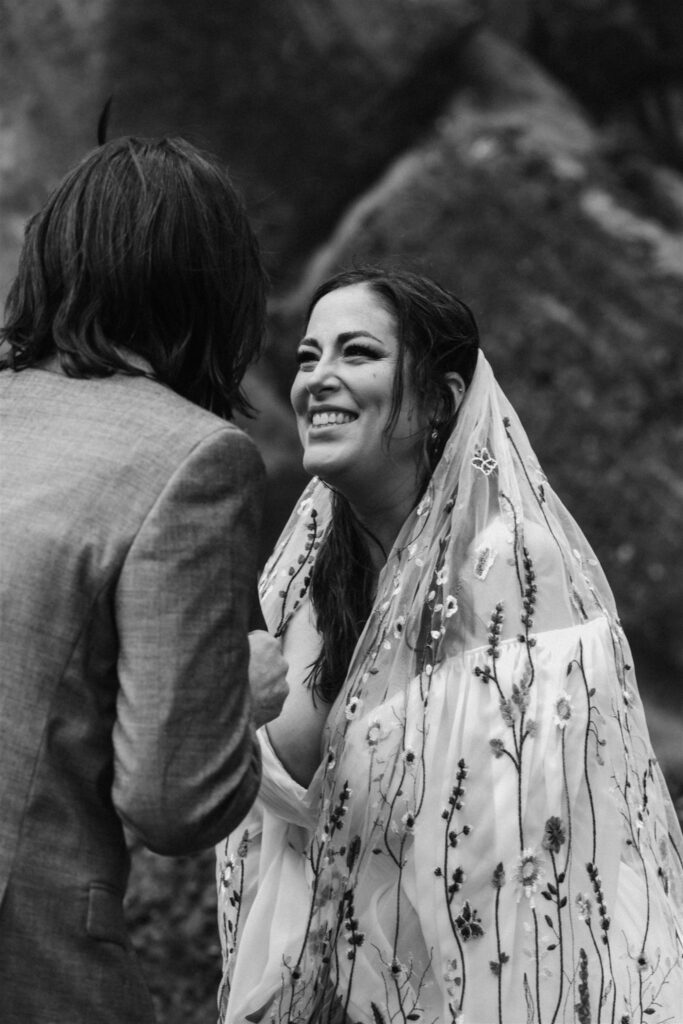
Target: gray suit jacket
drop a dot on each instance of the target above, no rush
(129, 521)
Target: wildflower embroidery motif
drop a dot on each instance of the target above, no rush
(507, 714)
(225, 880)
(583, 1007)
(520, 693)
(583, 907)
(408, 822)
(468, 923)
(483, 460)
(451, 974)
(563, 710)
(409, 759)
(484, 557)
(304, 507)
(554, 835)
(374, 734)
(528, 874)
(424, 506)
(353, 706)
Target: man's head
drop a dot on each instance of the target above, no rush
(144, 248)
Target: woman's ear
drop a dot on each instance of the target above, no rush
(457, 387)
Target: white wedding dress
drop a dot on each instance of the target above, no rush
(488, 838)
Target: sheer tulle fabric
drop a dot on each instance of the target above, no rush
(488, 837)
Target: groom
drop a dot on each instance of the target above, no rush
(129, 520)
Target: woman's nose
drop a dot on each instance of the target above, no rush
(321, 378)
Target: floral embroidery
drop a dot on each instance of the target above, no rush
(554, 835)
(497, 746)
(304, 507)
(225, 880)
(563, 710)
(424, 506)
(583, 907)
(353, 706)
(451, 974)
(528, 873)
(484, 557)
(409, 759)
(468, 923)
(408, 822)
(374, 734)
(498, 877)
(483, 460)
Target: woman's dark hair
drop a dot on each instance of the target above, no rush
(437, 334)
(144, 248)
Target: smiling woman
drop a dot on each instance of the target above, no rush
(461, 818)
(399, 351)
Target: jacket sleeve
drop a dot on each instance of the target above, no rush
(186, 763)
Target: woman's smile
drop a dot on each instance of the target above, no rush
(325, 417)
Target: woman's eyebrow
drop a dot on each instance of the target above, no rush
(343, 337)
(350, 335)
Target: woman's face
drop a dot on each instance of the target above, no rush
(342, 397)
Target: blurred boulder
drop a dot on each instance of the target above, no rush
(305, 99)
(624, 60)
(51, 68)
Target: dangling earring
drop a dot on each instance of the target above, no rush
(434, 445)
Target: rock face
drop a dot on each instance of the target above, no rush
(305, 99)
(51, 67)
(624, 58)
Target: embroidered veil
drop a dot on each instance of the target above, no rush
(489, 837)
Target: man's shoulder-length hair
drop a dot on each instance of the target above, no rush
(143, 248)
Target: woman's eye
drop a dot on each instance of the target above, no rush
(305, 355)
(364, 351)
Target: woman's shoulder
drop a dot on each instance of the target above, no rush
(502, 535)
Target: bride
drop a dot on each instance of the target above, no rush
(461, 817)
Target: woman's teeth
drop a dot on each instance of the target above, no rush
(325, 419)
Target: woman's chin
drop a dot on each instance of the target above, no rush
(321, 468)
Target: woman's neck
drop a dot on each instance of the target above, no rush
(381, 524)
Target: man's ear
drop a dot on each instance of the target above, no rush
(457, 386)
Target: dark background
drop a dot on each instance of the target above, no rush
(527, 153)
